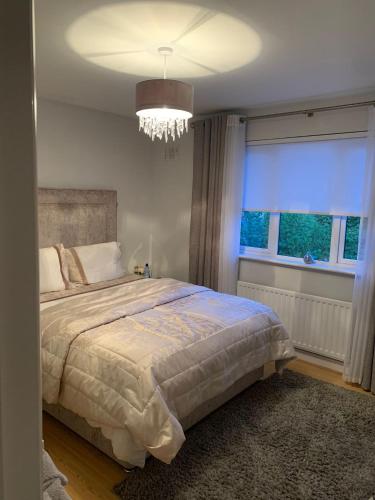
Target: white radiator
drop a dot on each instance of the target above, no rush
(316, 324)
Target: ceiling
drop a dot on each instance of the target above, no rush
(238, 54)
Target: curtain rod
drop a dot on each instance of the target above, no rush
(309, 112)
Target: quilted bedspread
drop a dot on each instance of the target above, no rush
(135, 359)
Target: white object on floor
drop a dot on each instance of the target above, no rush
(53, 481)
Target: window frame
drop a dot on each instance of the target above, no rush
(273, 229)
(337, 244)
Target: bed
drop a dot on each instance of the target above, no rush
(130, 364)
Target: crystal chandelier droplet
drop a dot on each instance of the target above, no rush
(164, 126)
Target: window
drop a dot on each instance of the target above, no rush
(302, 233)
(254, 229)
(289, 235)
(304, 197)
(351, 238)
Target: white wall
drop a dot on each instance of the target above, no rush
(312, 282)
(342, 121)
(172, 189)
(82, 148)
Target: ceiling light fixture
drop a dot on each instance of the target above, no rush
(164, 106)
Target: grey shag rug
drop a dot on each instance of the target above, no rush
(289, 437)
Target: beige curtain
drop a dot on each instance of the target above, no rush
(208, 171)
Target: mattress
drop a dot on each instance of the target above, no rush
(136, 359)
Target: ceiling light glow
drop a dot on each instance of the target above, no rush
(125, 37)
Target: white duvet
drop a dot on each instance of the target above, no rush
(135, 359)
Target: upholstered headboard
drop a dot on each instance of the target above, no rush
(77, 217)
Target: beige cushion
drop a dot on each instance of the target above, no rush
(63, 264)
(93, 263)
(50, 276)
(75, 271)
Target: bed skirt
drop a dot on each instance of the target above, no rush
(94, 435)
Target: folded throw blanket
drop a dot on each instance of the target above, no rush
(53, 481)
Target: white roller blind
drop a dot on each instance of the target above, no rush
(311, 177)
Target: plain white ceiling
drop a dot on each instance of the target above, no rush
(309, 48)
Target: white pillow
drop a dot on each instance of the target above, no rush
(94, 263)
(50, 277)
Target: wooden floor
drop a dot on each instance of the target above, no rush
(92, 475)
(324, 374)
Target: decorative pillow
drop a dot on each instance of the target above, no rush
(50, 276)
(75, 271)
(94, 263)
(63, 264)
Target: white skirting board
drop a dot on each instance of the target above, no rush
(316, 324)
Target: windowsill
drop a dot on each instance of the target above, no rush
(346, 270)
